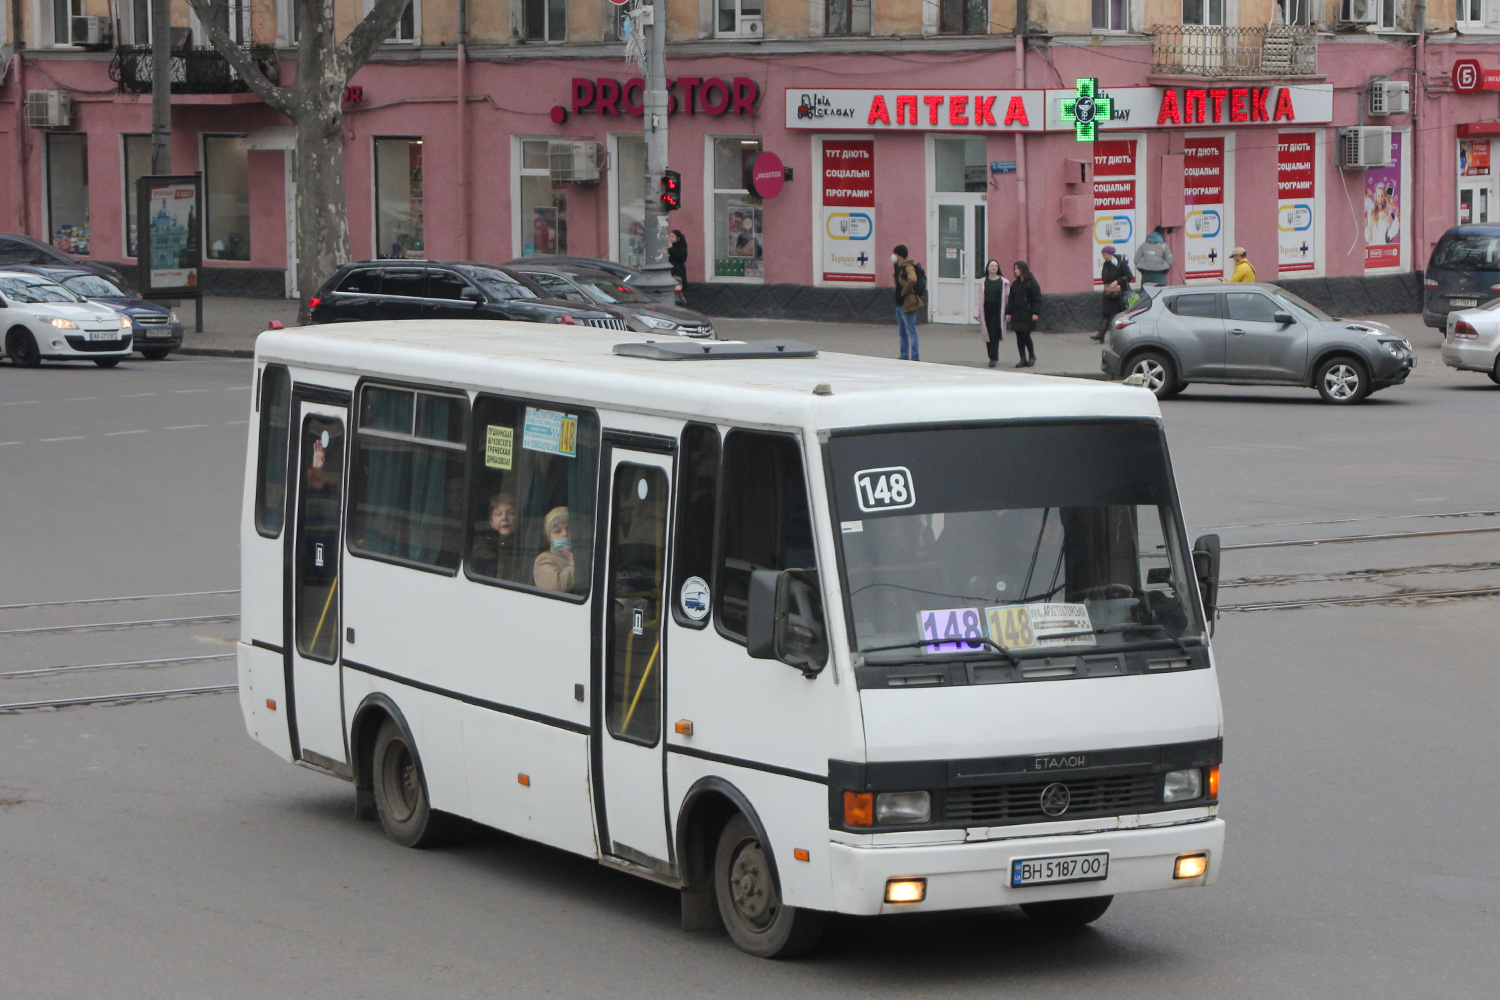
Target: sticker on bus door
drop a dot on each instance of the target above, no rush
(890, 488)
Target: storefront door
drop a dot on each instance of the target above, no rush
(1476, 201)
(956, 233)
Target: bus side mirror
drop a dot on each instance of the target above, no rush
(785, 619)
(1206, 568)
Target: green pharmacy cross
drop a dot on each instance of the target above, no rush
(1087, 109)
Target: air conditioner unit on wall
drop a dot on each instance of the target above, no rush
(49, 109)
(576, 161)
(1364, 146)
(1390, 97)
(91, 29)
(1359, 11)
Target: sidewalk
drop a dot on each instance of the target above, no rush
(231, 326)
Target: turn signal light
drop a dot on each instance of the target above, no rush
(1213, 782)
(859, 809)
(271, 704)
(801, 854)
(1188, 866)
(684, 727)
(523, 779)
(906, 890)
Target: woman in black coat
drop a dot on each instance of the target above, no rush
(677, 251)
(1022, 310)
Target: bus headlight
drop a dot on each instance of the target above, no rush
(903, 807)
(1181, 786)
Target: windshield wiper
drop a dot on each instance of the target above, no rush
(1126, 627)
(981, 641)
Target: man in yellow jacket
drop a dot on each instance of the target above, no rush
(1243, 271)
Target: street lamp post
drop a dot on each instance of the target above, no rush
(658, 281)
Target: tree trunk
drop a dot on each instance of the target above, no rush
(322, 218)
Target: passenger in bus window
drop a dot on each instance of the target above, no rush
(554, 569)
(497, 550)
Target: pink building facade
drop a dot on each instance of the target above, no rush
(961, 155)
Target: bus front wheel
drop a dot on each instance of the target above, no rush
(758, 922)
(401, 792)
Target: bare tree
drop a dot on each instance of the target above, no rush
(315, 104)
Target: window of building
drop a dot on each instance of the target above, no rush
(398, 197)
(543, 212)
(738, 17)
(289, 22)
(738, 244)
(408, 29)
(135, 163)
(408, 477)
(68, 191)
(1471, 13)
(531, 499)
(140, 21)
(849, 17)
(63, 12)
(614, 21)
(959, 164)
(1379, 14)
(275, 421)
(964, 17)
(697, 499)
(1294, 12)
(766, 523)
(226, 198)
(630, 198)
(1111, 15)
(1203, 12)
(545, 20)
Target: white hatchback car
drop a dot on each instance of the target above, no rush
(1471, 342)
(42, 320)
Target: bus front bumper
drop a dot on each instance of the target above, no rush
(973, 875)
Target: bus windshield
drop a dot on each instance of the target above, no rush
(1034, 537)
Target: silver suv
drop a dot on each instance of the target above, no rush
(1252, 334)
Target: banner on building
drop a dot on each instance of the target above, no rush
(1193, 107)
(1384, 202)
(1203, 193)
(1473, 157)
(171, 207)
(916, 110)
(1115, 198)
(848, 235)
(1297, 201)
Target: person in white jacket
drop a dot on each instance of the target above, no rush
(990, 308)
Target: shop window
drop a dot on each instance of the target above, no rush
(135, 156)
(630, 196)
(766, 524)
(545, 20)
(226, 198)
(738, 17)
(408, 30)
(959, 164)
(543, 214)
(848, 17)
(738, 244)
(1206, 12)
(964, 17)
(398, 198)
(63, 12)
(68, 191)
(531, 498)
(1111, 15)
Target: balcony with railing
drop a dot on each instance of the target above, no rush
(1216, 51)
(194, 70)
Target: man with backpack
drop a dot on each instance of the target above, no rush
(911, 295)
(1116, 277)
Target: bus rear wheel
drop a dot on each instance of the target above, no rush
(401, 792)
(758, 922)
(1067, 914)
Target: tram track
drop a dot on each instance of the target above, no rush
(122, 698)
(105, 626)
(125, 664)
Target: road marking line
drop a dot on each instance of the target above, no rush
(120, 433)
(79, 399)
(73, 437)
(191, 390)
(20, 402)
(236, 421)
(186, 427)
(136, 395)
(4, 443)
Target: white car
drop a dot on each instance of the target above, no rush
(42, 320)
(1471, 341)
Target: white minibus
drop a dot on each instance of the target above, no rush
(794, 633)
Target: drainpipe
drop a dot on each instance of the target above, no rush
(1023, 227)
(462, 121)
(19, 83)
(1419, 200)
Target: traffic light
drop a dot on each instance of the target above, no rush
(671, 190)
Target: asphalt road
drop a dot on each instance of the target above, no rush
(151, 850)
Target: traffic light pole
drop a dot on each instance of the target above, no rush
(657, 282)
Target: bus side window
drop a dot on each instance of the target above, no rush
(766, 523)
(532, 494)
(697, 496)
(275, 422)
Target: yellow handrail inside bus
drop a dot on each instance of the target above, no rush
(625, 726)
(312, 646)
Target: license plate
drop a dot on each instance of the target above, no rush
(1463, 303)
(157, 333)
(104, 335)
(1063, 868)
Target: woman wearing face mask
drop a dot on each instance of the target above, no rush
(992, 308)
(554, 569)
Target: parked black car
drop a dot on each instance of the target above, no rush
(598, 287)
(432, 289)
(158, 332)
(1463, 272)
(18, 249)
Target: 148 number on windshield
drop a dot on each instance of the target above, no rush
(884, 489)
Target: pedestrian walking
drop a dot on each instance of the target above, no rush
(677, 254)
(1243, 269)
(1115, 273)
(1153, 260)
(992, 309)
(911, 287)
(1023, 307)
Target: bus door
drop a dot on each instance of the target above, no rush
(629, 768)
(312, 596)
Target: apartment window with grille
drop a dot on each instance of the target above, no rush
(1205, 12)
(738, 17)
(847, 17)
(1111, 15)
(545, 20)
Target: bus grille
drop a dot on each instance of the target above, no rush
(608, 324)
(995, 805)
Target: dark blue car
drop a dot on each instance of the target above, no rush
(158, 332)
(1463, 273)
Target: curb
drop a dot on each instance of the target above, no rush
(216, 352)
